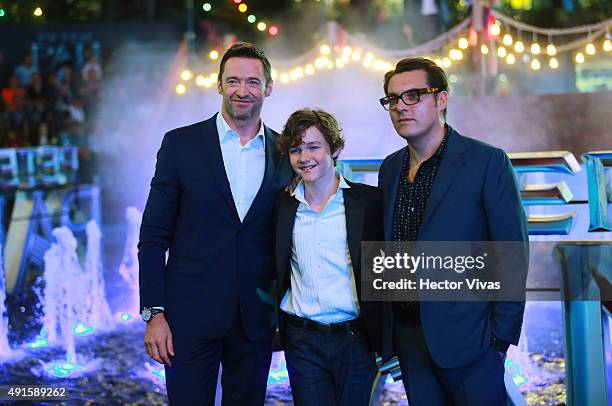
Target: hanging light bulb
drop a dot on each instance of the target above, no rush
(455, 54)
(463, 43)
(507, 40)
(484, 49)
(551, 50)
(607, 45)
(535, 64)
(495, 30)
(519, 47)
(579, 57)
(535, 48)
(501, 52)
(446, 62)
(590, 48)
(553, 63)
(510, 59)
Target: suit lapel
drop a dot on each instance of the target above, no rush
(449, 168)
(354, 206)
(391, 192)
(214, 160)
(284, 238)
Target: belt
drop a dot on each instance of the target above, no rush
(348, 327)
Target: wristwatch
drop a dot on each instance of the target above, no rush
(148, 313)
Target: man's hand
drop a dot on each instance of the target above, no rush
(158, 340)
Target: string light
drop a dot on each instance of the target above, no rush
(495, 29)
(206, 7)
(455, 54)
(590, 48)
(553, 63)
(242, 8)
(38, 12)
(186, 74)
(339, 57)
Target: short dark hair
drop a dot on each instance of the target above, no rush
(303, 119)
(246, 50)
(435, 74)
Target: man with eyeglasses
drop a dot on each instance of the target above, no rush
(446, 187)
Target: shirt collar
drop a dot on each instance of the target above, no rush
(298, 192)
(226, 133)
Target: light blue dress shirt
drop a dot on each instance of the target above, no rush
(244, 164)
(322, 281)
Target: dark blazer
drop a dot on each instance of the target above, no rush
(474, 198)
(363, 213)
(216, 262)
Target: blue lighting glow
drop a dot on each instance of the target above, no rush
(62, 370)
(83, 329)
(40, 342)
(125, 316)
(278, 375)
(517, 371)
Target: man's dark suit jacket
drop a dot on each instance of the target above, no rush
(474, 198)
(216, 262)
(363, 214)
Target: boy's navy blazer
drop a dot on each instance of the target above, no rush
(363, 215)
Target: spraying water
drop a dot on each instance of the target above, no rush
(63, 291)
(95, 311)
(129, 265)
(5, 349)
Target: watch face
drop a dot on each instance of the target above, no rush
(146, 314)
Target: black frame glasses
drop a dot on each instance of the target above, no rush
(409, 97)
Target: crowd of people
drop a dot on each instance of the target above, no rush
(48, 106)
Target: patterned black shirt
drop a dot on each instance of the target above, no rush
(412, 197)
(409, 210)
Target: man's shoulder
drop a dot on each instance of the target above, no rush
(362, 189)
(199, 128)
(477, 146)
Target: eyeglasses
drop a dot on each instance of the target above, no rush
(409, 97)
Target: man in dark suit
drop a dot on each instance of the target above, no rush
(446, 187)
(328, 332)
(210, 204)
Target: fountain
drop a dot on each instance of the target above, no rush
(95, 311)
(63, 291)
(129, 265)
(5, 349)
